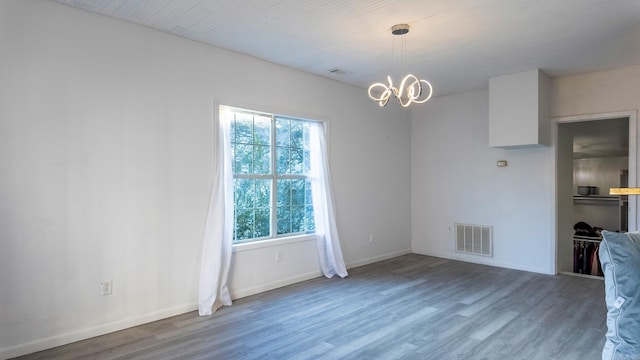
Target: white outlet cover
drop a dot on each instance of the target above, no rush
(107, 287)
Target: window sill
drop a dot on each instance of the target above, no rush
(273, 242)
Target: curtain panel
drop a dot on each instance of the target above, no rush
(329, 251)
(217, 245)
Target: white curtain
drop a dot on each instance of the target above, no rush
(217, 245)
(329, 252)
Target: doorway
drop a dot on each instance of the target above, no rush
(594, 153)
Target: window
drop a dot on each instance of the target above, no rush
(271, 165)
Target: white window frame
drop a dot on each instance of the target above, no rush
(273, 239)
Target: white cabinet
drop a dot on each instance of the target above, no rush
(519, 110)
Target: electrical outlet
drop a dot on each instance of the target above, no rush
(107, 287)
(370, 238)
(278, 255)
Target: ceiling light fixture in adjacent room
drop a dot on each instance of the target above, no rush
(411, 88)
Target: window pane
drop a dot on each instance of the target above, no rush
(297, 219)
(295, 214)
(243, 161)
(296, 164)
(308, 199)
(233, 157)
(232, 132)
(306, 134)
(243, 193)
(261, 159)
(244, 224)
(307, 161)
(263, 193)
(297, 192)
(296, 134)
(284, 192)
(262, 130)
(263, 222)
(284, 220)
(244, 129)
(306, 147)
(282, 132)
(282, 161)
(309, 221)
(252, 199)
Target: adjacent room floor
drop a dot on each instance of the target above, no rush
(409, 307)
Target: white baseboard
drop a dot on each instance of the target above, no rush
(485, 261)
(586, 276)
(374, 259)
(82, 334)
(240, 293)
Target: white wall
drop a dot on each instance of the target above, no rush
(454, 177)
(105, 171)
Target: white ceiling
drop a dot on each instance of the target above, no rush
(455, 44)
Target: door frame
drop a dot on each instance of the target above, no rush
(633, 170)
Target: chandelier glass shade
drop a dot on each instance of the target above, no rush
(410, 90)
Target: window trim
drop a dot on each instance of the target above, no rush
(271, 242)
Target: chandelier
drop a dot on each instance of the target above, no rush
(411, 88)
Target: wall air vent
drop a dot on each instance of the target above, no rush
(474, 239)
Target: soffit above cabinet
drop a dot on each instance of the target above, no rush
(519, 110)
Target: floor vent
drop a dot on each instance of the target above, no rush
(474, 239)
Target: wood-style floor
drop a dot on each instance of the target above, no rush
(409, 307)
